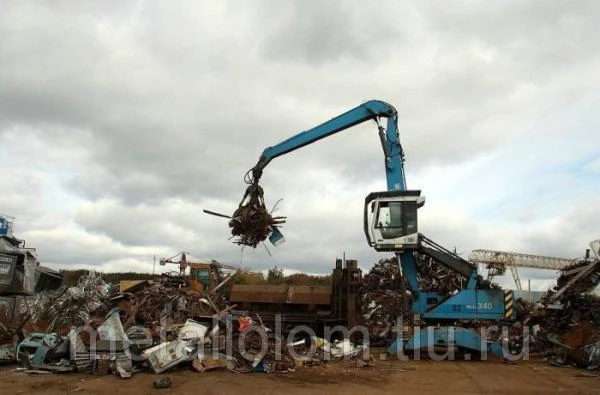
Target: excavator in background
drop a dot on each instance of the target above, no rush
(203, 276)
(391, 225)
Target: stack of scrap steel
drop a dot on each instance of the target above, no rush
(436, 277)
(49, 311)
(148, 325)
(381, 311)
(14, 316)
(71, 306)
(383, 302)
(165, 303)
(568, 335)
(255, 356)
(251, 222)
(567, 320)
(385, 274)
(579, 285)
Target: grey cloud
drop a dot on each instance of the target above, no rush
(22, 193)
(72, 248)
(173, 222)
(164, 103)
(317, 32)
(570, 233)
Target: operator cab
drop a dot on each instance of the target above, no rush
(390, 219)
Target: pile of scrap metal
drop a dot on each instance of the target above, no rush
(47, 312)
(14, 319)
(383, 302)
(20, 277)
(566, 323)
(71, 306)
(150, 325)
(385, 299)
(582, 276)
(436, 277)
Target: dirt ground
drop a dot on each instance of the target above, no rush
(464, 377)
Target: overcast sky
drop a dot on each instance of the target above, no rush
(121, 121)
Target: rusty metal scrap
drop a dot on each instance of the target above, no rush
(436, 277)
(251, 222)
(14, 316)
(158, 312)
(576, 324)
(383, 302)
(568, 318)
(384, 299)
(583, 284)
(592, 353)
(74, 306)
(385, 274)
(380, 313)
(254, 358)
(165, 303)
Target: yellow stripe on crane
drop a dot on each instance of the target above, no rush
(508, 304)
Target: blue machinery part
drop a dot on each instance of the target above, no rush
(447, 337)
(37, 345)
(4, 224)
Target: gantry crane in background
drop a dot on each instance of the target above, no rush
(498, 261)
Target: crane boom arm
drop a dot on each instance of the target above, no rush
(371, 110)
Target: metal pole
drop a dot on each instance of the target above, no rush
(153, 264)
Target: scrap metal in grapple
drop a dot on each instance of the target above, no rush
(252, 223)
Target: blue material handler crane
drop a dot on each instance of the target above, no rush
(391, 224)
